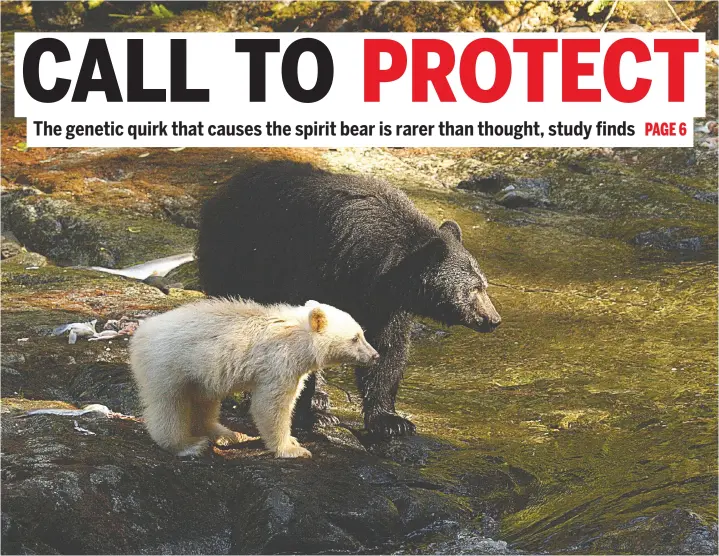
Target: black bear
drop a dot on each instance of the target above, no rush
(288, 232)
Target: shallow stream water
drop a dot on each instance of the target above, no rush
(600, 383)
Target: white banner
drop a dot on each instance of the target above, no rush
(359, 89)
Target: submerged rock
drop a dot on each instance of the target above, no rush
(422, 331)
(700, 195)
(510, 192)
(677, 531)
(492, 183)
(669, 239)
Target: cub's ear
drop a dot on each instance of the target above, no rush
(451, 227)
(318, 320)
(311, 304)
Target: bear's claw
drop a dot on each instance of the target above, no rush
(387, 425)
(325, 419)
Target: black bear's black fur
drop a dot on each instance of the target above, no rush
(288, 232)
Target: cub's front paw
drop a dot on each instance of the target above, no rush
(293, 450)
(387, 425)
(223, 437)
(231, 438)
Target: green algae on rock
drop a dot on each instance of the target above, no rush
(187, 275)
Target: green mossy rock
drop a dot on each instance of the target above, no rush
(71, 234)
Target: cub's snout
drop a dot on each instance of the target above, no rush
(369, 355)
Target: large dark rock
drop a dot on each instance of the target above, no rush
(114, 491)
(71, 234)
(525, 192)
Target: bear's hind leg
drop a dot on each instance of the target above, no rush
(168, 420)
(271, 408)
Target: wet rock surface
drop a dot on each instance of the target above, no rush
(186, 275)
(90, 484)
(492, 183)
(68, 492)
(510, 192)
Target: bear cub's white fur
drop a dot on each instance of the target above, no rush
(186, 360)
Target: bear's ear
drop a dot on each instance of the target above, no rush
(318, 320)
(450, 226)
(311, 303)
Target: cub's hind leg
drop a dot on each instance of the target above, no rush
(168, 418)
(207, 419)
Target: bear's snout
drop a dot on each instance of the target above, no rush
(489, 325)
(488, 318)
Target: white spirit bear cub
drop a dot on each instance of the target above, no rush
(186, 360)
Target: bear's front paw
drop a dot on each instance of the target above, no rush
(293, 450)
(387, 425)
(325, 419)
(321, 401)
(309, 419)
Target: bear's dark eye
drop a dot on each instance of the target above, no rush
(356, 339)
